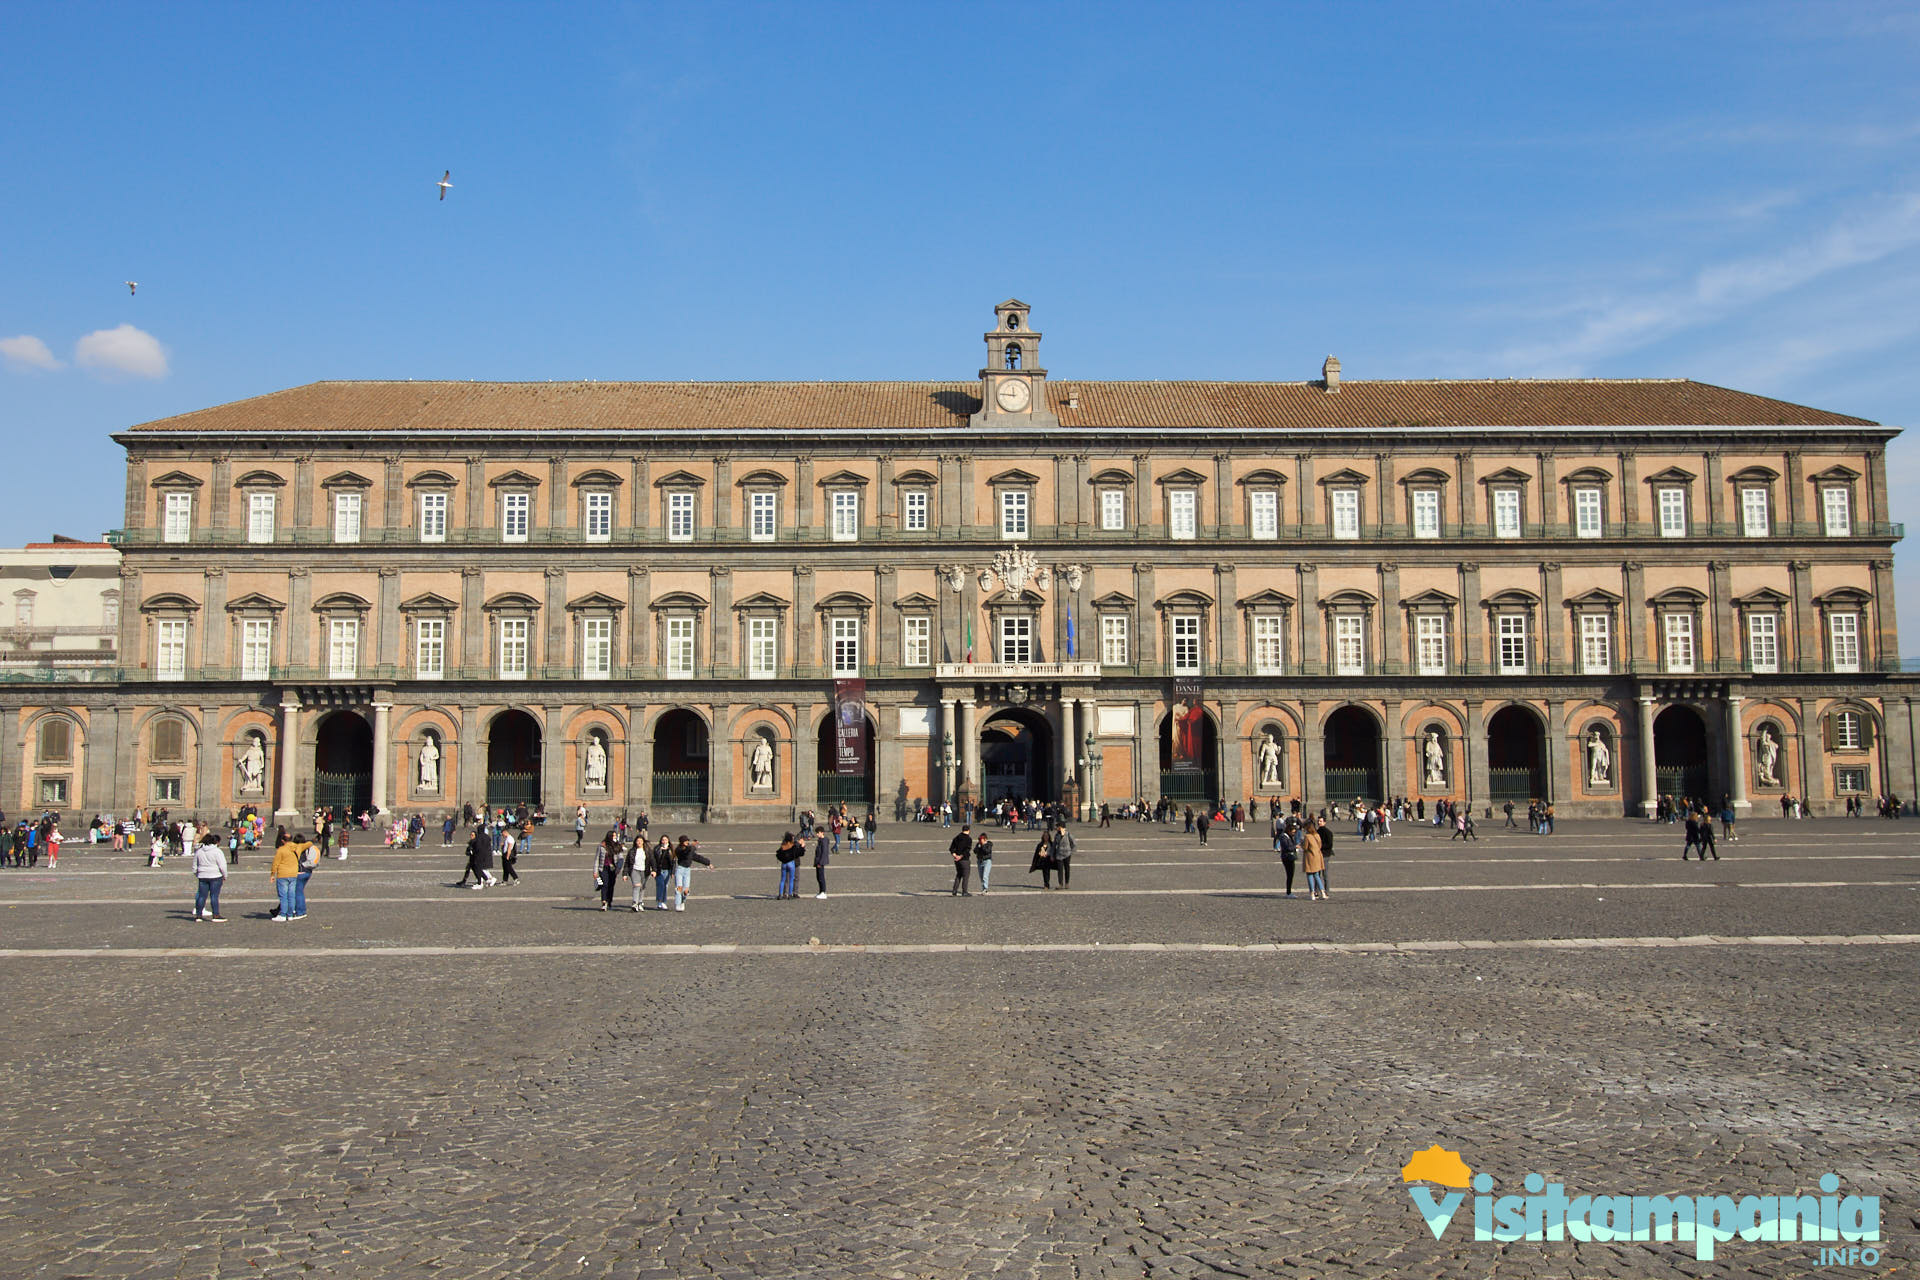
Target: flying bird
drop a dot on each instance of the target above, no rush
(133, 287)
(443, 184)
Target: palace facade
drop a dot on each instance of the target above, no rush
(739, 600)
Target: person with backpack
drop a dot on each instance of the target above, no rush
(1286, 846)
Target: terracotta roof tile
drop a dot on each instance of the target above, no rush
(929, 406)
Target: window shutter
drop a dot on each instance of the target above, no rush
(1826, 731)
(1866, 731)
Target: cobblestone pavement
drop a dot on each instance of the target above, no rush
(418, 1080)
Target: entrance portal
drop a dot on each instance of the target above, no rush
(1016, 757)
(843, 788)
(1195, 786)
(1350, 752)
(1516, 757)
(1680, 754)
(513, 760)
(343, 763)
(680, 759)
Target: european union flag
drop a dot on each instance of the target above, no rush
(1070, 652)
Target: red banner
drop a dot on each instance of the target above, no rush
(850, 727)
(1187, 723)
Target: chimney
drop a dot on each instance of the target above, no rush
(1330, 374)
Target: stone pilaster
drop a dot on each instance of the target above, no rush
(805, 652)
(554, 639)
(213, 619)
(1473, 621)
(1312, 651)
(473, 623)
(388, 625)
(720, 591)
(1392, 658)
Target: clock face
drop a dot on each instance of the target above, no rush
(1012, 395)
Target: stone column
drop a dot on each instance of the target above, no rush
(382, 749)
(470, 775)
(553, 758)
(1559, 763)
(945, 739)
(1726, 646)
(287, 809)
(1737, 756)
(969, 749)
(1393, 749)
(1312, 654)
(1067, 744)
(1473, 621)
(1313, 757)
(1649, 782)
(1813, 758)
(1479, 772)
(1090, 778)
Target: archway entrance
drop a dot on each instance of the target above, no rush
(1196, 786)
(1017, 757)
(1680, 754)
(852, 789)
(1516, 757)
(513, 759)
(1350, 754)
(680, 759)
(343, 763)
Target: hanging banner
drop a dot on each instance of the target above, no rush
(850, 727)
(1187, 723)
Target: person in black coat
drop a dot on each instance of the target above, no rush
(479, 859)
(960, 849)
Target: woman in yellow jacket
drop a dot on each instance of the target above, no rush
(1313, 861)
(290, 872)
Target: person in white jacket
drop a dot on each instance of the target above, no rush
(209, 874)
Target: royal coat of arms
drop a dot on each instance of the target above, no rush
(1017, 570)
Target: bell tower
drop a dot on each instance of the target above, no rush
(1013, 386)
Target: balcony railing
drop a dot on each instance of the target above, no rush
(1017, 671)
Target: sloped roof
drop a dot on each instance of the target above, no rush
(935, 406)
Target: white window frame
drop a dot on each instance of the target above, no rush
(1510, 633)
(1836, 510)
(915, 504)
(1849, 731)
(1016, 514)
(1349, 644)
(596, 647)
(1015, 638)
(430, 648)
(1113, 508)
(1263, 514)
(845, 646)
(1671, 502)
(845, 507)
(1183, 631)
(1183, 514)
(1763, 643)
(1676, 642)
(1116, 647)
(1269, 644)
(1426, 512)
(1596, 644)
(1756, 518)
(516, 515)
(515, 648)
(1850, 780)
(596, 515)
(763, 648)
(763, 515)
(1507, 515)
(1589, 512)
(260, 516)
(348, 508)
(343, 648)
(176, 523)
(679, 515)
(916, 641)
(256, 648)
(1344, 507)
(1843, 636)
(170, 648)
(1430, 644)
(680, 649)
(433, 516)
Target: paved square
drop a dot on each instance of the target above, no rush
(1168, 1070)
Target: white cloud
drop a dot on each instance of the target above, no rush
(27, 352)
(121, 352)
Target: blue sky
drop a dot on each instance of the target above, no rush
(1723, 192)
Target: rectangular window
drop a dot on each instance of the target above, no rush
(1587, 521)
(513, 648)
(1113, 508)
(53, 791)
(680, 516)
(1844, 628)
(1850, 780)
(346, 517)
(178, 524)
(1349, 644)
(1182, 512)
(1673, 512)
(23, 611)
(1846, 732)
(763, 516)
(1513, 644)
(1506, 513)
(1596, 644)
(166, 788)
(433, 517)
(846, 646)
(343, 648)
(1346, 512)
(430, 648)
(170, 649)
(260, 517)
(1426, 513)
(846, 515)
(1763, 642)
(1269, 649)
(1837, 504)
(1263, 513)
(1754, 522)
(1678, 629)
(680, 648)
(515, 515)
(1430, 644)
(1186, 644)
(599, 516)
(596, 648)
(763, 648)
(1013, 513)
(917, 642)
(913, 510)
(1113, 640)
(1016, 639)
(256, 648)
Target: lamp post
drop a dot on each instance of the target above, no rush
(946, 765)
(1090, 761)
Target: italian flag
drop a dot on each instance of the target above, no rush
(969, 641)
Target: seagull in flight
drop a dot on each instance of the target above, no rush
(133, 287)
(443, 184)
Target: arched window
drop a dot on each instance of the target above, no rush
(56, 741)
(1013, 355)
(169, 741)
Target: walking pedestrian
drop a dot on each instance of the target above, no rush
(579, 824)
(821, 856)
(1693, 838)
(685, 854)
(1043, 862)
(983, 854)
(1064, 847)
(634, 867)
(960, 849)
(606, 869)
(1706, 839)
(1201, 824)
(660, 867)
(1285, 844)
(1313, 859)
(209, 874)
(788, 856)
(509, 856)
(479, 858)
